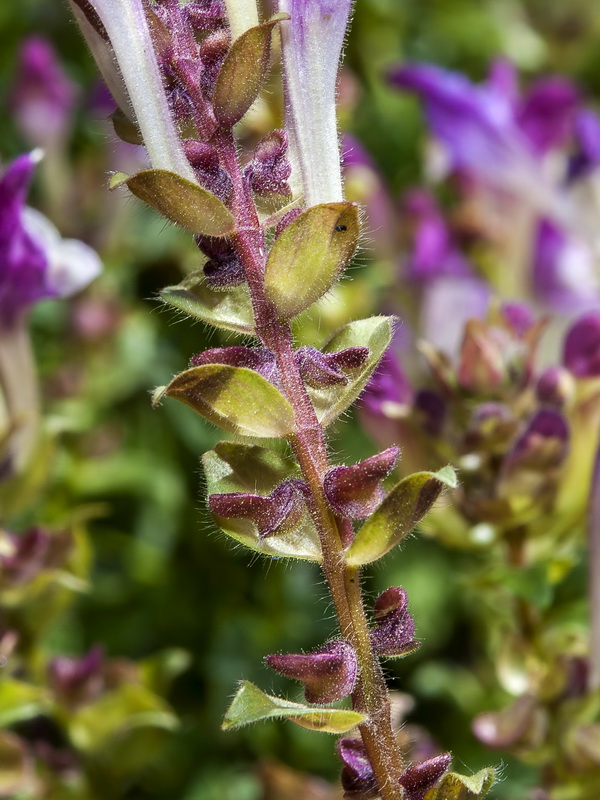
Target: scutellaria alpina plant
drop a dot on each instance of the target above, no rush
(184, 74)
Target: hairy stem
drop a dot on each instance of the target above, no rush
(308, 442)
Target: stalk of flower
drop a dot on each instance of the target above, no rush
(256, 280)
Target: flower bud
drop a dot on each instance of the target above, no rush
(394, 627)
(523, 721)
(269, 170)
(205, 161)
(358, 779)
(257, 358)
(555, 387)
(356, 491)
(212, 51)
(270, 513)
(31, 552)
(482, 366)
(420, 778)
(327, 369)
(543, 444)
(77, 680)
(223, 267)
(581, 353)
(328, 673)
(388, 389)
(430, 410)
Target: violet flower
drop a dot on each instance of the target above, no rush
(489, 131)
(312, 44)
(42, 96)
(35, 263)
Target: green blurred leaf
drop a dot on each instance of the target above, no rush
(20, 701)
(398, 514)
(374, 333)
(250, 704)
(230, 309)
(236, 399)
(15, 766)
(463, 787)
(233, 467)
(179, 200)
(243, 72)
(116, 714)
(309, 255)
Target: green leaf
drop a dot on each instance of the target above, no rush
(374, 333)
(307, 258)
(233, 467)
(118, 713)
(179, 200)
(250, 704)
(464, 787)
(20, 701)
(243, 72)
(236, 399)
(230, 309)
(398, 514)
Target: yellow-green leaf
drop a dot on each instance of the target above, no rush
(233, 467)
(179, 200)
(229, 309)
(464, 787)
(374, 333)
(394, 519)
(309, 255)
(243, 72)
(250, 704)
(236, 399)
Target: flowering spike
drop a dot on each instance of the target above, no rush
(328, 673)
(312, 43)
(356, 491)
(327, 369)
(420, 778)
(271, 513)
(394, 627)
(358, 779)
(581, 354)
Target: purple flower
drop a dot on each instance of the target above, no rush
(476, 124)
(582, 347)
(312, 44)
(564, 269)
(42, 97)
(434, 253)
(35, 263)
(77, 681)
(587, 141)
(388, 388)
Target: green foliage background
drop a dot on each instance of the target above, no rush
(162, 576)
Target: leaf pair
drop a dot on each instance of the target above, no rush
(238, 468)
(242, 401)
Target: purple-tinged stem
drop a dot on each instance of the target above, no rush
(308, 442)
(594, 577)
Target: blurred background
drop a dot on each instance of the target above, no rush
(148, 594)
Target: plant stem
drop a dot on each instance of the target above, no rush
(308, 442)
(594, 577)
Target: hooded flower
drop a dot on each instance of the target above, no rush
(35, 263)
